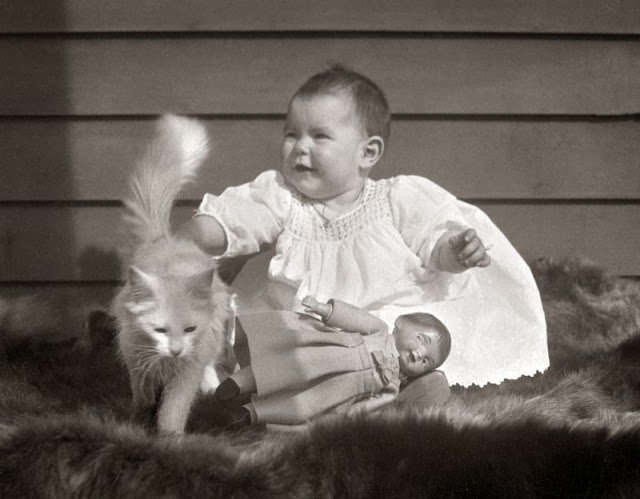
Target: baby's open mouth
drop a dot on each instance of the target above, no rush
(302, 168)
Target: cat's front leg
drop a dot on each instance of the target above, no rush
(146, 399)
(177, 399)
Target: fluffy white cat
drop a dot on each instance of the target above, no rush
(172, 311)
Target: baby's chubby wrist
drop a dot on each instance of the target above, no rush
(444, 258)
(457, 251)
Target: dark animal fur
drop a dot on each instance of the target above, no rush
(573, 431)
(398, 455)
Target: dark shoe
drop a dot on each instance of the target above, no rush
(227, 391)
(237, 417)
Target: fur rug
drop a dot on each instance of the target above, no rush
(573, 431)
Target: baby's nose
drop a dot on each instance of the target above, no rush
(302, 145)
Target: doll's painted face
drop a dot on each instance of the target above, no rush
(323, 146)
(421, 348)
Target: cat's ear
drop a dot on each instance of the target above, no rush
(200, 284)
(142, 283)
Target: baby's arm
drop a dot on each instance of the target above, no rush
(342, 315)
(206, 232)
(458, 251)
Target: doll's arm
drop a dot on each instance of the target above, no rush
(336, 313)
(374, 403)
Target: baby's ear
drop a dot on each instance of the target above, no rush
(372, 151)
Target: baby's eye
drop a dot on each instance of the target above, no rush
(160, 329)
(189, 329)
(321, 136)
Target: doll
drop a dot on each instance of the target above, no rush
(334, 358)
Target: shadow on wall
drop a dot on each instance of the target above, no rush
(36, 226)
(108, 262)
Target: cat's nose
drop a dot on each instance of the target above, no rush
(175, 347)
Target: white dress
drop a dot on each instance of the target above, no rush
(373, 257)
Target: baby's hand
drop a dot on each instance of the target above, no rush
(468, 249)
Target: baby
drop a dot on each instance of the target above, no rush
(391, 246)
(302, 368)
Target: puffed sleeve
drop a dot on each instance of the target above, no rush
(251, 214)
(422, 212)
(493, 312)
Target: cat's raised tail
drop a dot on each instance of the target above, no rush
(170, 162)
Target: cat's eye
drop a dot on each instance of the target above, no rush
(189, 329)
(160, 329)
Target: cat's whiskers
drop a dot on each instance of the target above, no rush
(152, 372)
(145, 362)
(143, 348)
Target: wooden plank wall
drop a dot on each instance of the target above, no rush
(528, 109)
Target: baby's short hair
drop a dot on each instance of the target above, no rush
(370, 102)
(431, 323)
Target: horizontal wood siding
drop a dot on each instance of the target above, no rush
(235, 75)
(480, 159)
(509, 16)
(528, 109)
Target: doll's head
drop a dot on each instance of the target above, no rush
(422, 341)
(337, 124)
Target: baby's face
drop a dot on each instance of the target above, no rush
(323, 145)
(420, 350)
